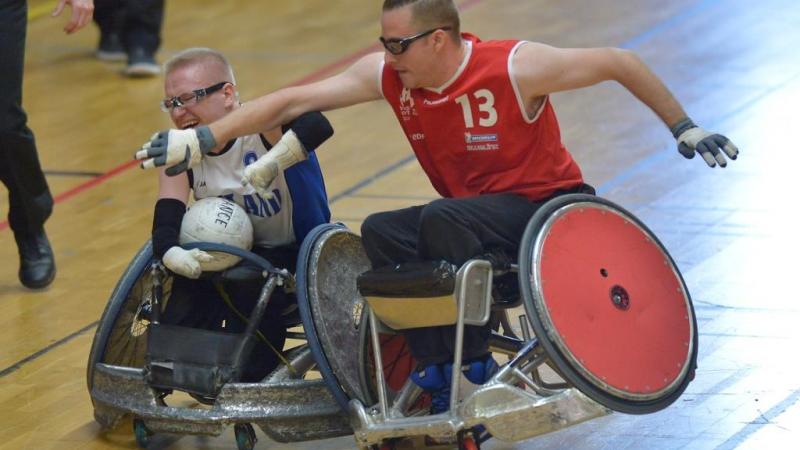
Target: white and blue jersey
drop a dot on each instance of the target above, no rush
(299, 203)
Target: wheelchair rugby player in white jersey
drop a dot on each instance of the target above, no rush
(200, 88)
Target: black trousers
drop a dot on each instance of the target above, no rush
(30, 202)
(454, 230)
(136, 22)
(198, 304)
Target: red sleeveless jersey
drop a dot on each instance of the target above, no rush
(474, 136)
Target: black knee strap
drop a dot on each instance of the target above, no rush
(417, 279)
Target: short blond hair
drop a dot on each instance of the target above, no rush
(430, 14)
(198, 55)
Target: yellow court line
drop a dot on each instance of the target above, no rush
(46, 8)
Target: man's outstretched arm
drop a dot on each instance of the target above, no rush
(540, 70)
(181, 149)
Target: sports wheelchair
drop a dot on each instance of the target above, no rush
(605, 310)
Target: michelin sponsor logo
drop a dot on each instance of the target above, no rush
(481, 142)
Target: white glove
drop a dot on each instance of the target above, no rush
(286, 153)
(185, 262)
(692, 138)
(179, 149)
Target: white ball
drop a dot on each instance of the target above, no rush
(221, 221)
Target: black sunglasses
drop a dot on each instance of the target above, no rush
(190, 98)
(397, 46)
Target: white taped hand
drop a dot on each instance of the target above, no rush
(185, 262)
(179, 149)
(286, 153)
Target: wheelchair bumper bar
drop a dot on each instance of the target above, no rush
(509, 413)
(287, 410)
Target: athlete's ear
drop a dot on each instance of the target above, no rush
(231, 96)
(439, 39)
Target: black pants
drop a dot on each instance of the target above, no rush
(136, 22)
(30, 202)
(454, 230)
(198, 304)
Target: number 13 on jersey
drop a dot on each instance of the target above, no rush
(487, 115)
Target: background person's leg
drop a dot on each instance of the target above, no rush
(142, 36)
(30, 202)
(109, 15)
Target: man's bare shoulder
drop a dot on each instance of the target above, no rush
(368, 63)
(529, 53)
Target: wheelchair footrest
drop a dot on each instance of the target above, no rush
(192, 360)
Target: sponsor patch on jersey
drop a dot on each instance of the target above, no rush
(481, 142)
(470, 138)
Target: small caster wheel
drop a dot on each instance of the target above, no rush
(142, 433)
(245, 436)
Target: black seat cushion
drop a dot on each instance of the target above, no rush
(417, 279)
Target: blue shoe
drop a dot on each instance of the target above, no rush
(477, 370)
(433, 380)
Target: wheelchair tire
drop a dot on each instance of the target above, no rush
(335, 321)
(608, 304)
(329, 260)
(121, 335)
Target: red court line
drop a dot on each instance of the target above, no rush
(314, 76)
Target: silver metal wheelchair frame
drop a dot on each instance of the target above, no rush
(285, 406)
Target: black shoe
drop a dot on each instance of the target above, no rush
(141, 63)
(37, 267)
(110, 48)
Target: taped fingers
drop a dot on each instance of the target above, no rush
(708, 153)
(728, 147)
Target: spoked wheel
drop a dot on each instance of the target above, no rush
(121, 336)
(608, 304)
(245, 436)
(142, 433)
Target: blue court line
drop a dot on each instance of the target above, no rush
(740, 437)
(369, 180)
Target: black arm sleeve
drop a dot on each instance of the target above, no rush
(167, 219)
(311, 128)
